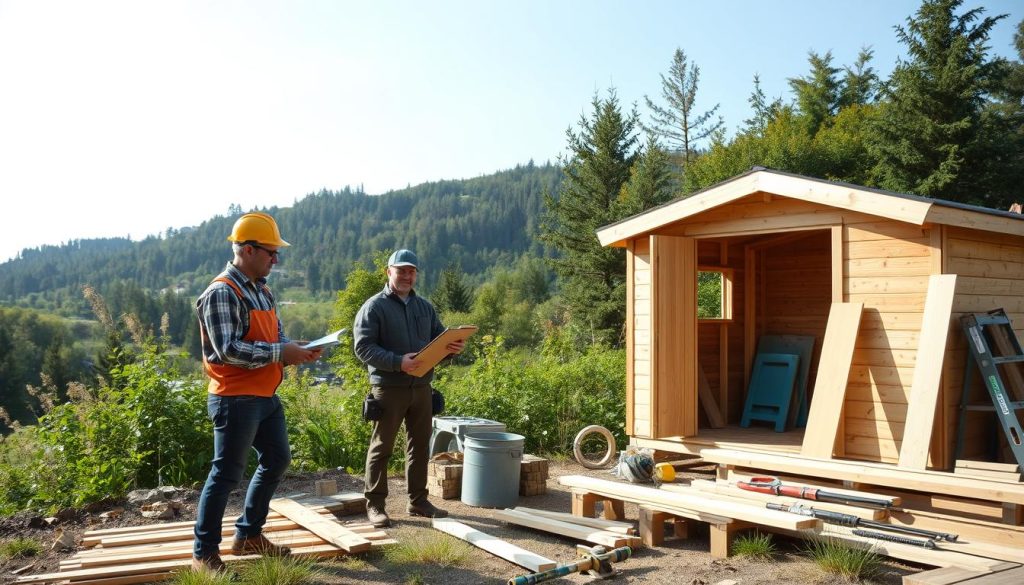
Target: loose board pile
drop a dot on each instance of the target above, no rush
(141, 554)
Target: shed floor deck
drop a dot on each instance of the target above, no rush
(754, 438)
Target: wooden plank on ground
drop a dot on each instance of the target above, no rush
(599, 523)
(157, 567)
(326, 529)
(495, 546)
(830, 383)
(924, 390)
(569, 529)
(667, 501)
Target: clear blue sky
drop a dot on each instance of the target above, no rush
(127, 118)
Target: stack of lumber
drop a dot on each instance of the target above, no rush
(998, 471)
(141, 554)
(533, 476)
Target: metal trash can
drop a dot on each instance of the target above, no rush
(490, 469)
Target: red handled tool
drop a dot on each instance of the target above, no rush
(772, 485)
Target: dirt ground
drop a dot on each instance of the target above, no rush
(676, 562)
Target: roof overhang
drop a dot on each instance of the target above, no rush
(909, 209)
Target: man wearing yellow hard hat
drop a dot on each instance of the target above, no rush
(244, 354)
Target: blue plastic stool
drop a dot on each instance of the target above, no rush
(771, 389)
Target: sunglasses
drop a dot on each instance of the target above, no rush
(274, 254)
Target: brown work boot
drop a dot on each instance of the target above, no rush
(426, 509)
(259, 544)
(211, 563)
(377, 516)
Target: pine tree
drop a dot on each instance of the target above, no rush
(55, 366)
(452, 295)
(860, 86)
(601, 155)
(934, 137)
(763, 112)
(817, 94)
(678, 123)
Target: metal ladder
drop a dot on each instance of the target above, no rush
(980, 343)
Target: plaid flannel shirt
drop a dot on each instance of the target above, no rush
(224, 319)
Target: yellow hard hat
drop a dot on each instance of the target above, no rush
(257, 227)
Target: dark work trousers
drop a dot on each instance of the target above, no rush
(241, 423)
(411, 405)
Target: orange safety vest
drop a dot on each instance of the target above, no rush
(228, 380)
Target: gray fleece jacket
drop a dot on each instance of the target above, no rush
(386, 328)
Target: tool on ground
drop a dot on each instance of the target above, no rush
(773, 485)
(596, 562)
(980, 342)
(929, 543)
(854, 521)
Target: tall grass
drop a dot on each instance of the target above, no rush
(839, 558)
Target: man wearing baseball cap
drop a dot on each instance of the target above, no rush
(390, 328)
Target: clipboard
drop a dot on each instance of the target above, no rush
(437, 349)
(329, 340)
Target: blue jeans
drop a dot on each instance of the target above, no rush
(241, 423)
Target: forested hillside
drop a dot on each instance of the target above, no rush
(478, 223)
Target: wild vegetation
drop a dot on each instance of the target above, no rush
(101, 392)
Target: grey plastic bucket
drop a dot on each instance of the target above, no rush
(490, 469)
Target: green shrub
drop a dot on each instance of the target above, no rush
(147, 427)
(19, 548)
(838, 558)
(325, 424)
(754, 545)
(547, 398)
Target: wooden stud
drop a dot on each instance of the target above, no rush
(830, 384)
(924, 391)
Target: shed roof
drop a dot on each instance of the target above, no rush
(903, 207)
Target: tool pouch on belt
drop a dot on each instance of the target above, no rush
(372, 408)
(436, 402)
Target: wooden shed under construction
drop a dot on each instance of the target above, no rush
(879, 279)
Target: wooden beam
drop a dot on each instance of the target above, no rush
(669, 501)
(630, 334)
(331, 532)
(924, 390)
(569, 529)
(707, 400)
(599, 523)
(830, 383)
(495, 546)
